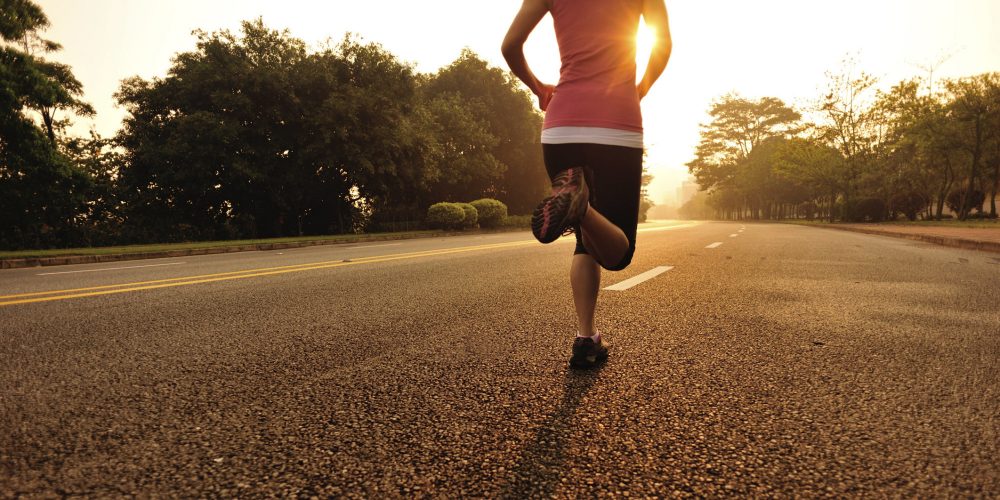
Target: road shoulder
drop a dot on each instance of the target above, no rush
(982, 239)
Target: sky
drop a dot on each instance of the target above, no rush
(780, 48)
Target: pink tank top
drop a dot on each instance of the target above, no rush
(597, 86)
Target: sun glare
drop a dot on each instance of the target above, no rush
(644, 40)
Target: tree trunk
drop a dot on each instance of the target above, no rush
(949, 180)
(833, 196)
(340, 220)
(996, 184)
(49, 129)
(977, 153)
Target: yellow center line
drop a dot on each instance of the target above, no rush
(185, 278)
(73, 293)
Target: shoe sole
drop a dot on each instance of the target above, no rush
(545, 229)
(588, 361)
(560, 206)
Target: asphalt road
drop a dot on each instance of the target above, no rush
(787, 361)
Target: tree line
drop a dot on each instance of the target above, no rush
(859, 154)
(252, 134)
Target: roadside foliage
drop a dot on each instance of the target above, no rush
(859, 153)
(253, 134)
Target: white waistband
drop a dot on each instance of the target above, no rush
(592, 135)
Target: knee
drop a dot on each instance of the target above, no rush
(624, 262)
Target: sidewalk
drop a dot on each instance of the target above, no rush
(984, 239)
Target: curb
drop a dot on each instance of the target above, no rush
(983, 246)
(93, 259)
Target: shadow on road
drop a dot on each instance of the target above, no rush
(543, 461)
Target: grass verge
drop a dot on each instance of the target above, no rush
(167, 247)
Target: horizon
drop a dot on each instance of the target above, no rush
(894, 40)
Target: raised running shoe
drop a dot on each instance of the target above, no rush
(559, 213)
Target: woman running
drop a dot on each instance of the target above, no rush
(591, 138)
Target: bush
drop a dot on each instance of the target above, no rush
(807, 209)
(908, 203)
(445, 216)
(491, 212)
(471, 215)
(864, 210)
(517, 221)
(975, 202)
(644, 205)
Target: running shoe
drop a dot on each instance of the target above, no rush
(587, 354)
(559, 213)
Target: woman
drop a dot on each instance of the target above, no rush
(592, 138)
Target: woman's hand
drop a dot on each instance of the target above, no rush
(544, 93)
(654, 12)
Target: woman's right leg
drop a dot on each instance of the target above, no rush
(608, 229)
(613, 169)
(604, 240)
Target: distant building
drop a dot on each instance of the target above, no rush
(686, 191)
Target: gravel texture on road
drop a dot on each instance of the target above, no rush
(790, 361)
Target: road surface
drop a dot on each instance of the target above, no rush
(747, 359)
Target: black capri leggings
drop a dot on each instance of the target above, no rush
(614, 176)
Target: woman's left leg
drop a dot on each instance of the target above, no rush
(615, 181)
(585, 278)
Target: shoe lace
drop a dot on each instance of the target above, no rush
(563, 181)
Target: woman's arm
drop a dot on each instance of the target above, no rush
(532, 11)
(655, 14)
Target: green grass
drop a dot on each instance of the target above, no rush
(134, 249)
(987, 223)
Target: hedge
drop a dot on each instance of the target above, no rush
(445, 216)
(491, 212)
(471, 215)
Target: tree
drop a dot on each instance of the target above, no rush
(100, 220)
(65, 95)
(42, 194)
(463, 167)
(816, 165)
(507, 113)
(974, 108)
(251, 135)
(722, 159)
(214, 141)
(370, 134)
(993, 153)
(770, 194)
(853, 124)
(934, 136)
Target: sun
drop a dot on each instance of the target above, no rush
(645, 38)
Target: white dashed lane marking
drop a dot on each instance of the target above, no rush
(665, 228)
(635, 280)
(717, 244)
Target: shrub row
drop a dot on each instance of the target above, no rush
(487, 213)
